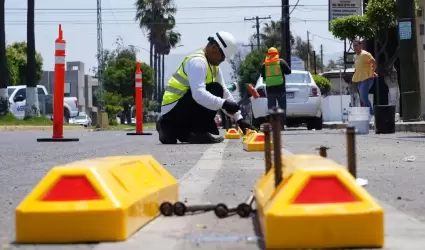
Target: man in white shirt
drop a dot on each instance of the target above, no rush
(196, 92)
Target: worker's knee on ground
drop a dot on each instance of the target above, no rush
(216, 89)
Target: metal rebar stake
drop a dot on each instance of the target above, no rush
(275, 116)
(323, 151)
(267, 146)
(351, 151)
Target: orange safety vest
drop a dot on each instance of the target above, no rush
(274, 74)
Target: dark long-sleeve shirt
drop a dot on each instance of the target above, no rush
(286, 70)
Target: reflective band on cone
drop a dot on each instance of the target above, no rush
(59, 60)
(60, 46)
(138, 84)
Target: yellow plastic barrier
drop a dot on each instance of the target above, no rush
(254, 142)
(317, 205)
(232, 134)
(248, 133)
(105, 199)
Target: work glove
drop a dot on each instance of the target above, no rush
(231, 107)
(243, 125)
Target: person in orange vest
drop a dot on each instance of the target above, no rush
(273, 72)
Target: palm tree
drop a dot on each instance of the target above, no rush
(270, 35)
(155, 17)
(173, 38)
(32, 108)
(4, 72)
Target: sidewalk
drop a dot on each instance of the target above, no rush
(13, 128)
(416, 127)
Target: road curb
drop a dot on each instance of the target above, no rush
(36, 128)
(399, 127)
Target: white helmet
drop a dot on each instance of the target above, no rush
(227, 43)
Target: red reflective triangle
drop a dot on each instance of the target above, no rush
(72, 188)
(259, 138)
(320, 190)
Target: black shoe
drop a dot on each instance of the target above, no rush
(164, 138)
(204, 138)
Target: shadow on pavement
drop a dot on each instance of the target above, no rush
(257, 231)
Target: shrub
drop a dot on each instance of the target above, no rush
(323, 83)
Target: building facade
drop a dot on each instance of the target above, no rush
(77, 84)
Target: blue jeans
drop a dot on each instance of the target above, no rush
(364, 87)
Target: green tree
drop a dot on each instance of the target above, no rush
(380, 16)
(331, 65)
(113, 106)
(119, 77)
(249, 70)
(4, 76)
(31, 108)
(155, 17)
(16, 56)
(323, 83)
(171, 39)
(270, 35)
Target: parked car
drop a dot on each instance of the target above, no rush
(17, 99)
(82, 119)
(304, 101)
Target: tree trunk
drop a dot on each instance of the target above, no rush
(4, 73)
(163, 70)
(151, 54)
(155, 61)
(158, 81)
(158, 87)
(31, 108)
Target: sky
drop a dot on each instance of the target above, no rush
(194, 23)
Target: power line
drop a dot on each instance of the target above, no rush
(130, 22)
(325, 38)
(295, 6)
(257, 26)
(180, 8)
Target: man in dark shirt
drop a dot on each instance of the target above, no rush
(273, 72)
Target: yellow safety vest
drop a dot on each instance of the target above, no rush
(178, 84)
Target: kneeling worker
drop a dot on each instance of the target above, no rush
(195, 93)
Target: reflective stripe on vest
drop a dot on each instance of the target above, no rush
(178, 84)
(274, 74)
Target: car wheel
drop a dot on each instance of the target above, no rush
(316, 123)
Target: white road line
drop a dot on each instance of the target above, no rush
(167, 233)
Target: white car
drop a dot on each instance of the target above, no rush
(17, 99)
(82, 119)
(303, 97)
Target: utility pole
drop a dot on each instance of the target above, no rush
(257, 26)
(100, 54)
(321, 58)
(409, 69)
(314, 62)
(285, 40)
(308, 50)
(249, 45)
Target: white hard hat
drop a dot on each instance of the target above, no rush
(227, 43)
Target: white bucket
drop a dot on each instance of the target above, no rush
(259, 107)
(358, 117)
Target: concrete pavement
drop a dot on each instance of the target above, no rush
(219, 173)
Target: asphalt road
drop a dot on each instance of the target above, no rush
(218, 173)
